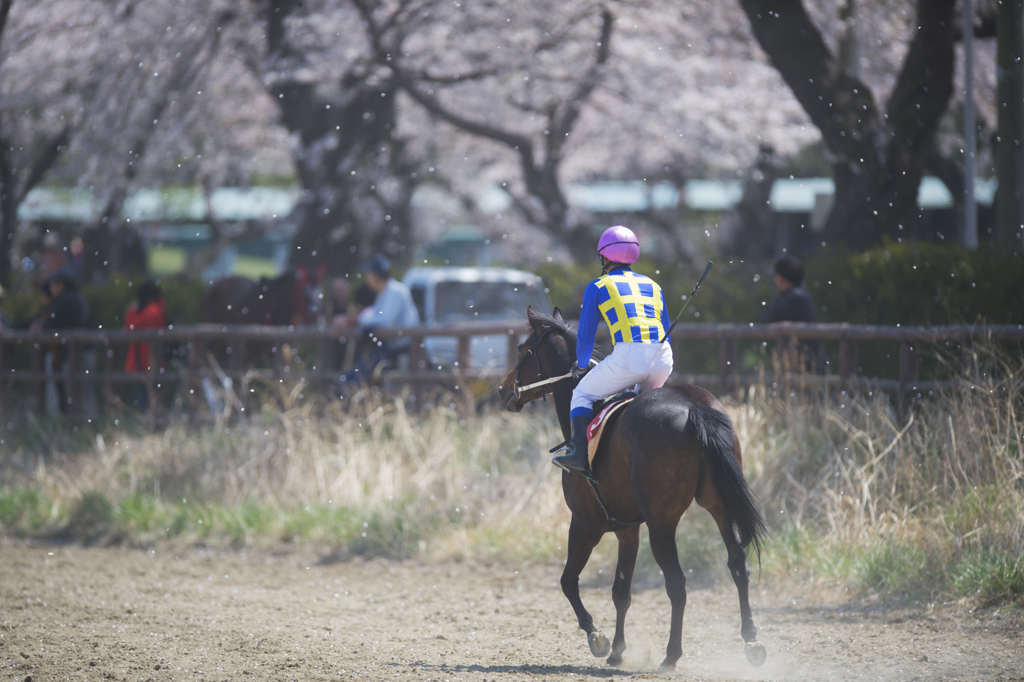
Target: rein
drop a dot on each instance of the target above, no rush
(517, 389)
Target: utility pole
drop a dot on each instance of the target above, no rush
(970, 131)
(1010, 142)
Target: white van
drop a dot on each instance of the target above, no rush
(446, 296)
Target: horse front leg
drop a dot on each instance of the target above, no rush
(629, 544)
(663, 547)
(582, 540)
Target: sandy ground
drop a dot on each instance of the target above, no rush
(70, 613)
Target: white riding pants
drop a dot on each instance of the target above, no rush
(630, 364)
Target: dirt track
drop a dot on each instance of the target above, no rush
(73, 613)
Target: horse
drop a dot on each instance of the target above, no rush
(288, 299)
(666, 448)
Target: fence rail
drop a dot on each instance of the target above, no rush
(196, 340)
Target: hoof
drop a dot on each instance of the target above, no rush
(614, 659)
(667, 666)
(756, 653)
(599, 644)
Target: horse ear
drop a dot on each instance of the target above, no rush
(557, 314)
(533, 318)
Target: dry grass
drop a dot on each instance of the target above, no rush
(934, 505)
(903, 507)
(479, 484)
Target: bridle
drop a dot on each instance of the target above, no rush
(518, 390)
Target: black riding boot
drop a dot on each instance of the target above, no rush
(575, 458)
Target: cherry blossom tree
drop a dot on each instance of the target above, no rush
(880, 148)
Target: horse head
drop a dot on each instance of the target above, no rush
(548, 351)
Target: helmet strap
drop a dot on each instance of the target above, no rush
(608, 265)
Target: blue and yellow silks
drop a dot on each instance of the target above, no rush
(632, 305)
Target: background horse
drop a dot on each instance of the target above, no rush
(291, 298)
(668, 447)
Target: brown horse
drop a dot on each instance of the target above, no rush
(668, 447)
(285, 300)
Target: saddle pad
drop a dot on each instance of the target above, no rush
(597, 424)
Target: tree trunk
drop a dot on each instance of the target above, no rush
(1010, 144)
(357, 178)
(879, 156)
(356, 175)
(8, 212)
(747, 229)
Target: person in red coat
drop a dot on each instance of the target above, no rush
(149, 312)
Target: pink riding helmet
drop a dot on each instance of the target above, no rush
(619, 245)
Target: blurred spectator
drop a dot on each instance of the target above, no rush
(76, 251)
(51, 258)
(148, 312)
(134, 256)
(338, 311)
(363, 311)
(363, 344)
(339, 292)
(393, 307)
(795, 304)
(68, 310)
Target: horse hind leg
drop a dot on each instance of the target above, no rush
(582, 541)
(740, 572)
(629, 544)
(663, 546)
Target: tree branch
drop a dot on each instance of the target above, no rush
(541, 180)
(925, 83)
(45, 161)
(277, 13)
(5, 9)
(569, 111)
(384, 56)
(457, 78)
(840, 105)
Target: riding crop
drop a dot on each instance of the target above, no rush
(687, 302)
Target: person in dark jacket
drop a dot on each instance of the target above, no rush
(68, 310)
(795, 304)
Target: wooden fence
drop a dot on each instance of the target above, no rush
(195, 342)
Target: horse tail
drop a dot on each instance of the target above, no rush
(715, 437)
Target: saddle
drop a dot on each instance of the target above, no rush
(603, 411)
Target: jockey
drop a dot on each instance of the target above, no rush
(633, 307)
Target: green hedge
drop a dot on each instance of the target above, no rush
(108, 302)
(908, 284)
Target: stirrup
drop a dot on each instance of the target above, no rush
(564, 445)
(587, 473)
